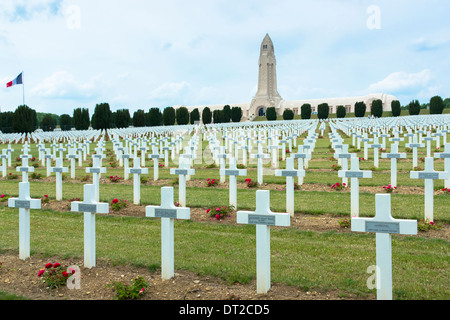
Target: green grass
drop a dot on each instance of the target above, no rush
(308, 260)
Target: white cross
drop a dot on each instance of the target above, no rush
(9, 151)
(125, 156)
(233, 171)
(90, 207)
(96, 170)
(48, 161)
(260, 156)
(290, 173)
(4, 157)
(24, 203)
(72, 158)
(167, 212)
(384, 225)
(414, 146)
(25, 168)
(428, 140)
(394, 155)
(375, 146)
(263, 218)
(59, 169)
(354, 174)
(182, 171)
(300, 155)
(137, 171)
(429, 175)
(446, 156)
(155, 156)
(222, 156)
(344, 156)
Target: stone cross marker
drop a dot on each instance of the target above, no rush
(155, 156)
(384, 225)
(59, 169)
(375, 146)
(168, 212)
(126, 157)
(263, 218)
(344, 156)
(136, 171)
(290, 173)
(25, 168)
(4, 158)
(96, 170)
(446, 156)
(429, 175)
(24, 203)
(260, 156)
(394, 155)
(90, 207)
(354, 174)
(72, 158)
(233, 171)
(182, 171)
(414, 145)
(300, 155)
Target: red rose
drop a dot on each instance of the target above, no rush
(56, 265)
(65, 274)
(48, 265)
(115, 201)
(41, 272)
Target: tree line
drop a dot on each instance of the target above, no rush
(26, 119)
(436, 106)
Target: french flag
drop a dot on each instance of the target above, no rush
(17, 80)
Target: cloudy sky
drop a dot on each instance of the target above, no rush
(138, 54)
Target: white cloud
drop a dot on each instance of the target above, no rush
(402, 82)
(63, 85)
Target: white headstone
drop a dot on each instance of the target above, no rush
(233, 171)
(59, 169)
(290, 173)
(136, 171)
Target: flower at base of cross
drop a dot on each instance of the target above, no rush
(117, 204)
(446, 191)
(336, 167)
(338, 186)
(45, 199)
(160, 165)
(54, 275)
(220, 213)
(115, 178)
(389, 188)
(211, 182)
(250, 183)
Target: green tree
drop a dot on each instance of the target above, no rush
(155, 117)
(81, 119)
(306, 111)
(169, 116)
(139, 118)
(182, 115)
(341, 112)
(396, 108)
(377, 108)
(236, 114)
(271, 114)
(48, 123)
(65, 122)
(323, 111)
(194, 116)
(226, 113)
(122, 118)
(414, 108)
(436, 105)
(24, 119)
(6, 120)
(218, 116)
(288, 114)
(360, 109)
(102, 117)
(206, 115)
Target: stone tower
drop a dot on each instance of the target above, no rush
(267, 94)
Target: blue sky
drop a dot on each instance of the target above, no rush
(141, 54)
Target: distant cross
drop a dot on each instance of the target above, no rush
(155, 156)
(446, 156)
(394, 155)
(414, 145)
(25, 169)
(354, 174)
(429, 175)
(301, 155)
(59, 169)
(263, 218)
(233, 171)
(182, 171)
(290, 172)
(260, 156)
(384, 225)
(375, 146)
(90, 207)
(96, 170)
(168, 212)
(137, 171)
(24, 203)
(125, 156)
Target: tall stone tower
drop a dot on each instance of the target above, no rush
(267, 94)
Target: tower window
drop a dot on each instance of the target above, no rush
(265, 47)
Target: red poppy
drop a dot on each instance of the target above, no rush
(115, 201)
(48, 265)
(41, 272)
(56, 265)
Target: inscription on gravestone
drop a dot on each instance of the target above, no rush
(354, 175)
(428, 175)
(165, 213)
(262, 219)
(22, 204)
(382, 227)
(87, 207)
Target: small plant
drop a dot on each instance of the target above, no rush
(129, 292)
(36, 165)
(425, 225)
(36, 176)
(45, 199)
(220, 213)
(12, 176)
(117, 204)
(338, 186)
(115, 178)
(240, 166)
(144, 179)
(175, 181)
(362, 159)
(417, 169)
(55, 275)
(3, 198)
(85, 178)
(113, 164)
(336, 167)
(446, 191)
(409, 150)
(345, 223)
(211, 182)
(160, 165)
(212, 165)
(250, 183)
(389, 188)
(422, 159)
